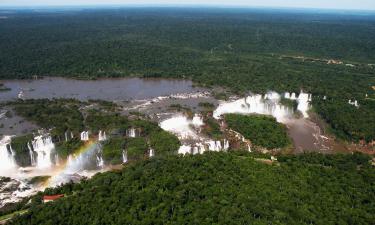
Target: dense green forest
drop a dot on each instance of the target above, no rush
(218, 188)
(242, 49)
(263, 131)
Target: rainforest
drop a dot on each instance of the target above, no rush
(179, 115)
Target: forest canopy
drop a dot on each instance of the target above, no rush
(263, 131)
(218, 188)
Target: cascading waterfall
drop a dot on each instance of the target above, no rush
(84, 136)
(303, 101)
(124, 156)
(218, 145)
(197, 120)
(32, 155)
(131, 133)
(102, 136)
(269, 104)
(44, 148)
(66, 136)
(6, 154)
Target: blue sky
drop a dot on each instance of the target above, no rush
(329, 4)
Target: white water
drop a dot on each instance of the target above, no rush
(124, 156)
(132, 132)
(44, 148)
(80, 165)
(102, 136)
(181, 126)
(151, 153)
(84, 136)
(7, 161)
(303, 101)
(32, 155)
(269, 104)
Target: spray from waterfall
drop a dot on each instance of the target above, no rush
(44, 147)
(269, 104)
(7, 160)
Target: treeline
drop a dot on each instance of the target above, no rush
(218, 188)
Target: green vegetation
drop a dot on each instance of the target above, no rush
(112, 150)
(289, 103)
(19, 145)
(67, 147)
(262, 131)
(265, 50)
(164, 143)
(136, 148)
(97, 120)
(59, 115)
(347, 121)
(219, 188)
(211, 128)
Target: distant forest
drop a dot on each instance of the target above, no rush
(244, 50)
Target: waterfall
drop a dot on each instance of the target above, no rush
(214, 146)
(71, 135)
(152, 153)
(31, 153)
(57, 160)
(6, 154)
(66, 136)
(99, 161)
(226, 145)
(131, 133)
(184, 149)
(354, 103)
(44, 147)
(197, 120)
(269, 104)
(124, 156)
(304, 103)
(84, 136)
(102, 136)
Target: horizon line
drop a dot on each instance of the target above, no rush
(185, 5)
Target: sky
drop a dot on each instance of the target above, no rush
(328, 4)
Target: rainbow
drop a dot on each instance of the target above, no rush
(64, 166)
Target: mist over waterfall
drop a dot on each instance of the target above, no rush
(269, 104)
(303, 101)
(44, 147)
(7, 160)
